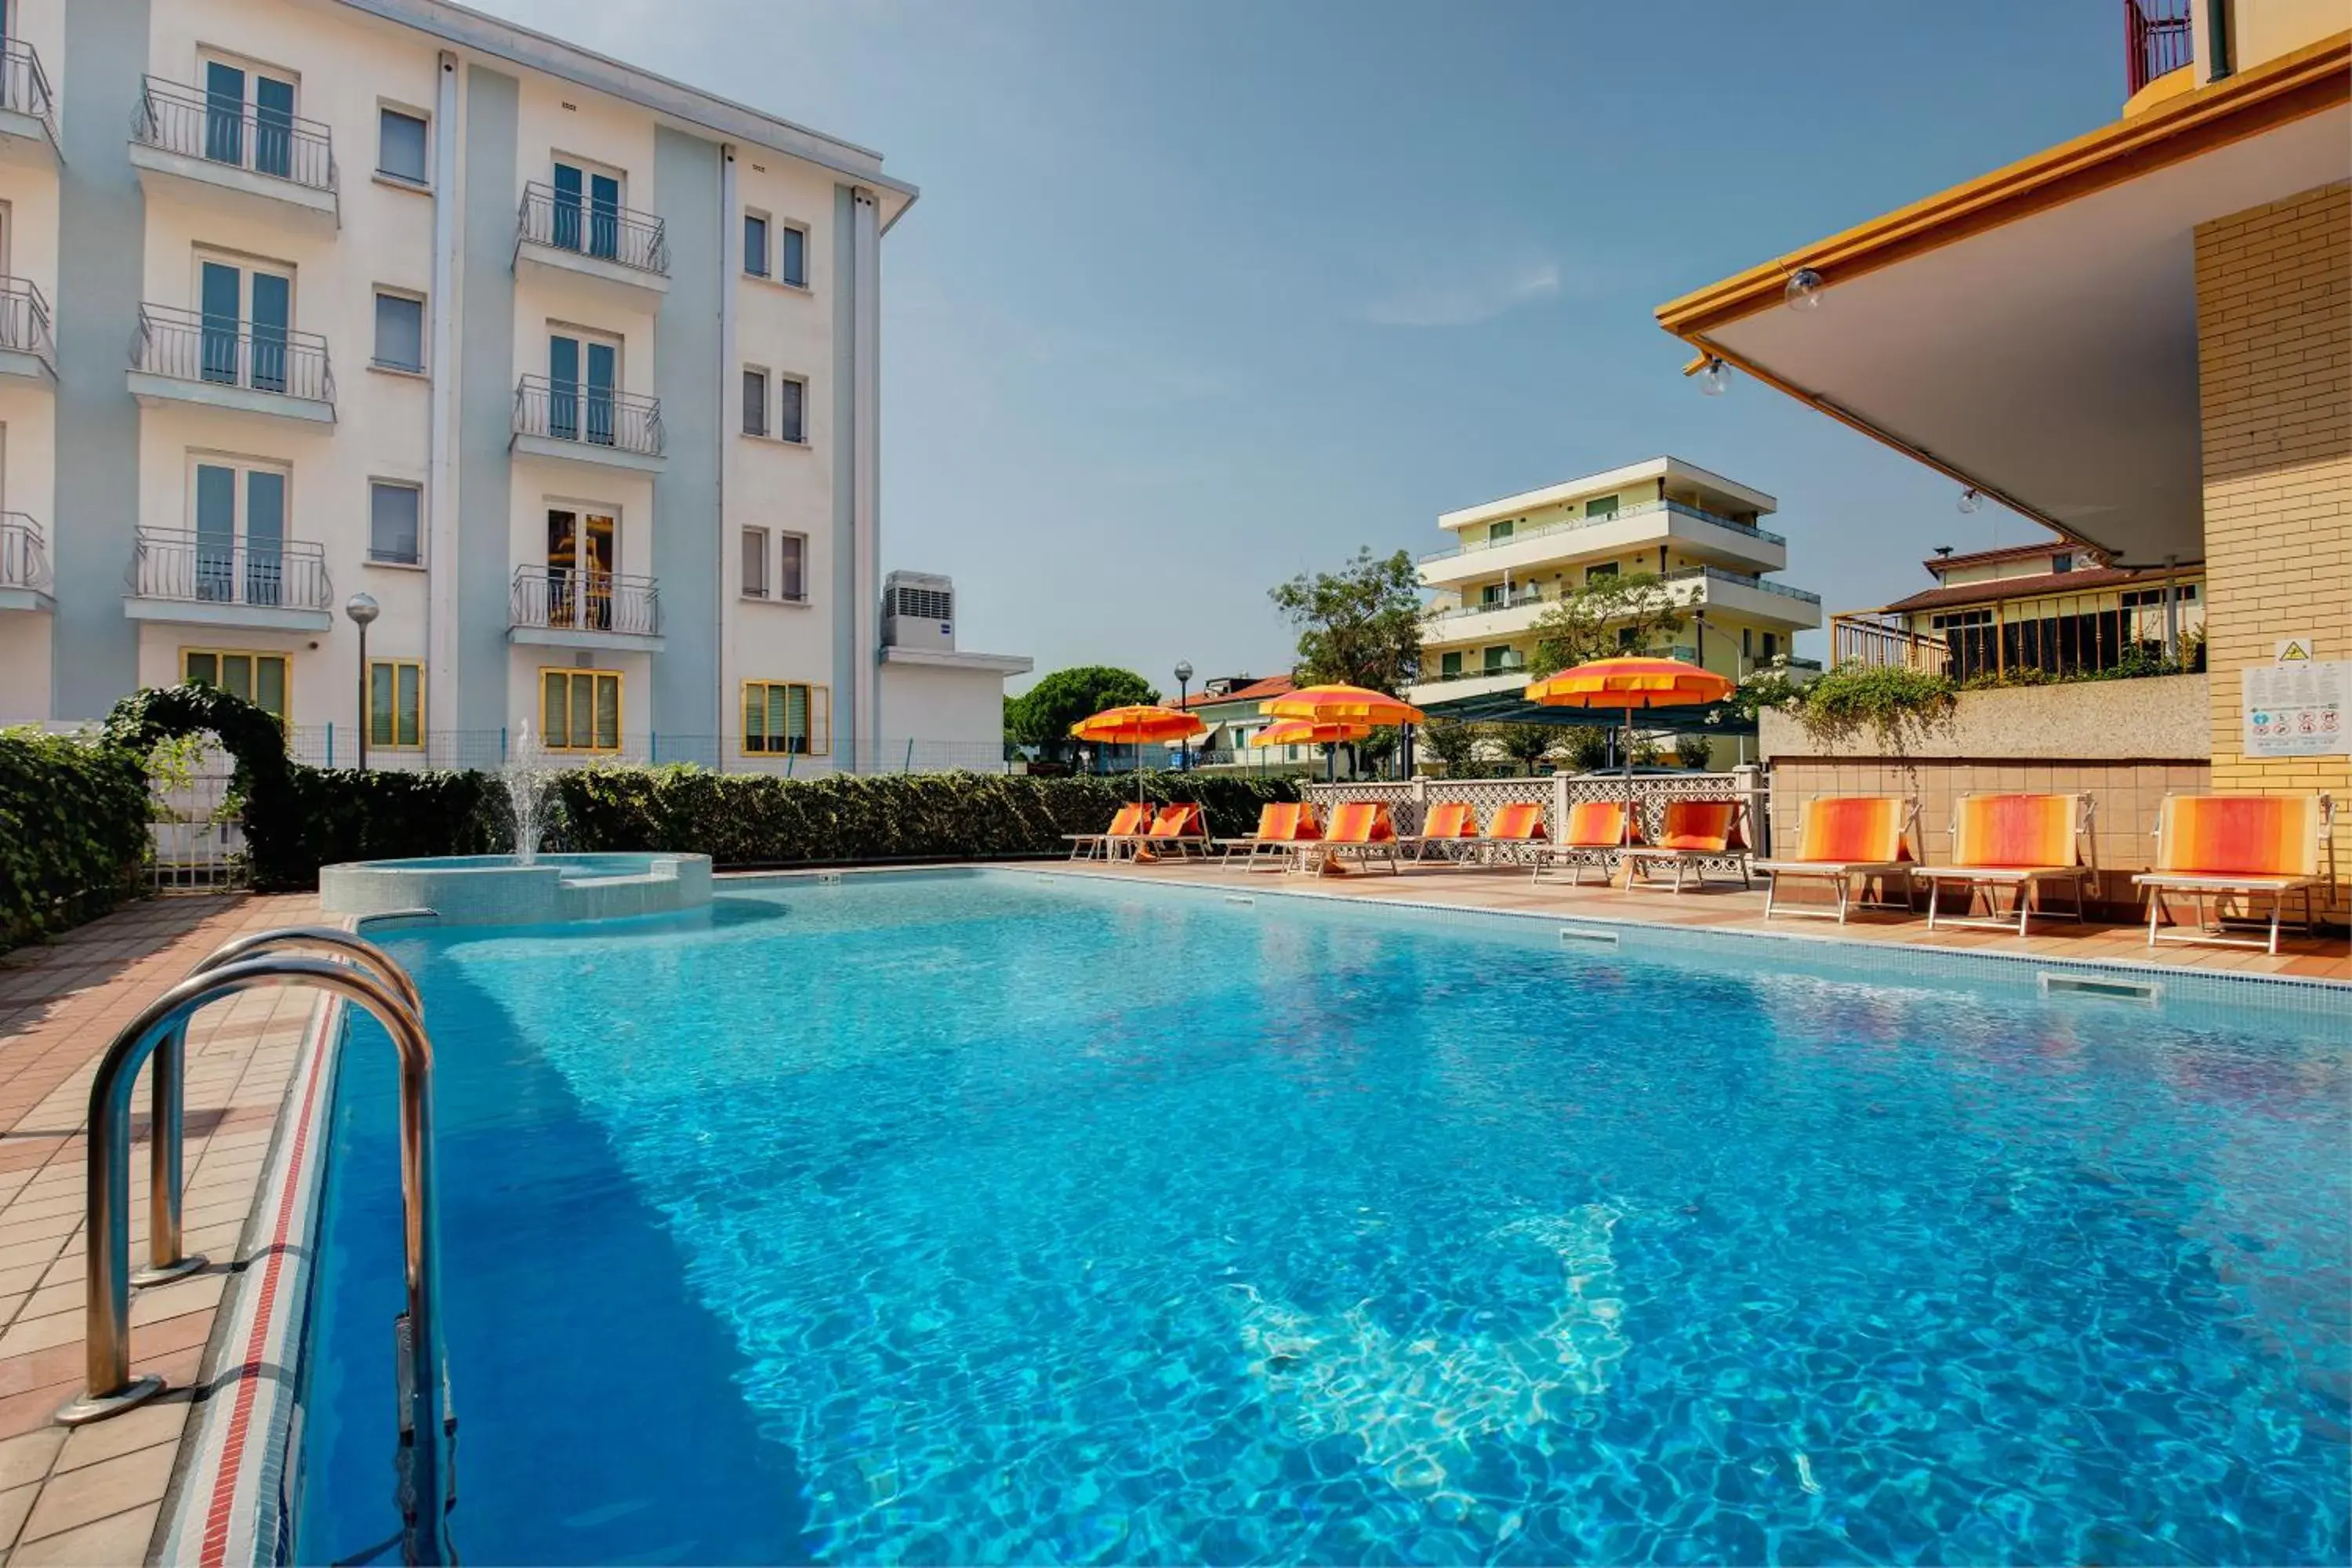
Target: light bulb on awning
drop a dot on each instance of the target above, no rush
(1804, 289)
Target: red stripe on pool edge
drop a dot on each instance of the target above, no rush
(215, 1551)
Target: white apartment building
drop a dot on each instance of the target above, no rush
(573, 369)
(1513, 559)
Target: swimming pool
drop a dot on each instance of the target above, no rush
(1000, 1216)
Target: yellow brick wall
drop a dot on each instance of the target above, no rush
(2274, 374)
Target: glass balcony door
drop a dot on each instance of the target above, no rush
(272, 106)
(225, 498)
(569, 397)
(587, 208)
(231, 355)
(582, 549)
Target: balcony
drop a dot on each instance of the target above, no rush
(179, 575)
(24, 581)
(26, 349)
(560, 607)
(28, 120)
(622, 251)
(573, 422)
(232, 156)
(1746, 594)
(2157, 41)
(1647, 524)
(185, 357)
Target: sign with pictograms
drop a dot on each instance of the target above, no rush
(2298, 709)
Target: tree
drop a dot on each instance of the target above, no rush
(1042, 716)
(1631, 614)
(1588, 748)
(1528, 744)
(1692, 750)
(1359, 626)
(1452, 742)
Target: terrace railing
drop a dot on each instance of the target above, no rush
(595, 416)
(2157, 40)
(188, 345)
(25, 320)
(25, 87)
(1640, 509)
(563, 598)
(1743, 579)
(176, 118)
(566, 221)
(1408, 800)
(24, 557)
(1885, 644)
(189, 567)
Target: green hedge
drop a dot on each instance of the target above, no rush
(73, 832)
(344, 815)
(752, 820)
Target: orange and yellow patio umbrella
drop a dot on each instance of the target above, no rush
(1341, 705)
(1307, 732)
(1629, 683)
(1138, 725)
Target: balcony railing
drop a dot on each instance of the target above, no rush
(1639, 509)
(567, 221)
(187, 345)
(195, 124)
(1744, 579)
(25, 320)
(1455, 612)
(189, 567)
(23, 85)
(1481, 673)
(563, 598)
(594, 416)
(2157, 40)
(1885, 644)
(24, 558)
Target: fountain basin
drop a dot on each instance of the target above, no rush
(499, 889)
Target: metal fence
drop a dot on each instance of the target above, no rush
(336, 745)
(220, 129)
(1409, 800)
(561, 598)
(2156, 40)
(23, 559)
(564, 220)
(188, 345)
(23, 85)
(25, 321)
(197, 833)
(192, 568)
(595, 416)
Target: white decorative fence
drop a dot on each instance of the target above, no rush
(1409, 800)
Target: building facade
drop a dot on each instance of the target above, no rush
(1516, 557)
(2055, 609)
(571, 369)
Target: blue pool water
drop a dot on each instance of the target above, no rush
(981, 1219)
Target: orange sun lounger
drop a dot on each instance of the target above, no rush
(1595, 833)
(1284, 827)
(1841, 836)
(1694, 833)
(2212, 845)
(1519, 826)
(2016, 841)
(1105, 844)
(1449, 824)
(1178, 828)
(1362, 830)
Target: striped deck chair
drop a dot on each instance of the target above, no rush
(1105, 844)
(1841, 836)
(1360, 830)
(1177, 830)
(1595, 833)
(1515, 832)
(2021, 842)
(2210, 845)
(1284, 829)
(1693, 833)
(1450, 825)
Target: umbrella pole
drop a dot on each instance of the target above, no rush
(1628, 829)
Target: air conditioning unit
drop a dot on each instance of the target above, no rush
(918, 610)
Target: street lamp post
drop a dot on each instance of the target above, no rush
(363, 609)
(1184, 698)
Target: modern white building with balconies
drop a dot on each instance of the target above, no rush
(1514, 558)
(571, 368)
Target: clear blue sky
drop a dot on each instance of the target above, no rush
(1198, 295)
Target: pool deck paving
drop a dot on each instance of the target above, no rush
(95, 1493)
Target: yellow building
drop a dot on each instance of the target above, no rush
(1514, 558)
(2141, 338)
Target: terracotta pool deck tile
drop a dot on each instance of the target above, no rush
(72, 1498)
(123, 1538)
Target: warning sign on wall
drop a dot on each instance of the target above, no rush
(2298, 709)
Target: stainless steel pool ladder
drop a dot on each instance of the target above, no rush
(362, 973)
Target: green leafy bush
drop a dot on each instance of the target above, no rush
(73, 832)
(1896, 706)
(345, 815)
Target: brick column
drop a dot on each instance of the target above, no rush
(2274, 375)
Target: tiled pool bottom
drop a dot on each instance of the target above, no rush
(981, 1218)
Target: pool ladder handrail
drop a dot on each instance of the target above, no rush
(364, 974)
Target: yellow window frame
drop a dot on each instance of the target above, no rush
(285, 716)
(557, 737)
(391, 739)
(756, 737)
